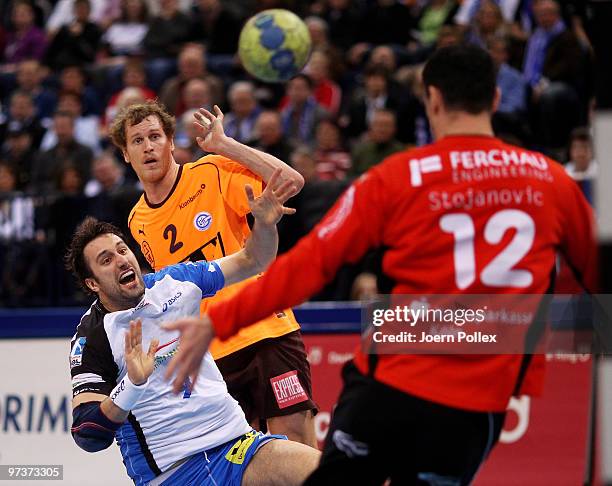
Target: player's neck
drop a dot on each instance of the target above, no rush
(465, 124)
(158, 191)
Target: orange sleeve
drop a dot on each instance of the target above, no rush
(233, 177)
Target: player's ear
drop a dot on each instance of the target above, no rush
(92, 285)
(125, 156)
(172, 143)
(434, 99)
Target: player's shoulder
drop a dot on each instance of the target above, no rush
(137, 208)
(92, 322)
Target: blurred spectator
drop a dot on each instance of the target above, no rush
(196, 94)
(133, 76)
(302, 113)
(378, 92)
(269, 135)
(215, 26)
(327, 93)
(317, 27)
(581, 166)
(64, 14)
(191, 65)
(66, 150)
(186, 148)
(126, 97)
(332, 160)
(22, 116)
(510, 81)
(488, 22)
(558, 69)
(107, 179)
(76, 42)
(73, 80)
(365, 287)
(239, 123)
(19, 153)
(379, 143)
(167, 31)
(65, 213)
(125, 36)
(435, 14)
(510, 121)
(86, 128)
(342, 17)
(383, 56)
(8, 180)
(511, 10)
(24, 40)
(29, 79)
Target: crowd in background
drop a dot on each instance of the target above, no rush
(68, 66)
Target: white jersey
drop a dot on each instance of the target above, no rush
(162, 428)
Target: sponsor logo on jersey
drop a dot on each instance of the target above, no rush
(287, 389)
(171, 301)
(142, 305)
(148, 253)
(202, 221)
(237, 454)
(76, 354)
(163, 358)
(192, 198)
(418, 167)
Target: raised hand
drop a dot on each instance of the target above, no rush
(268, 208)
(139, 364)
(196, 335)
(210, 129)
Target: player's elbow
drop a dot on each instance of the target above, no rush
(92, 443)
(91, 429)
(298, 181)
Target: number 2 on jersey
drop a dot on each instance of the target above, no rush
(499, 272)
(170, 231)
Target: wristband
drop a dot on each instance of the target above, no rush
(126, 395)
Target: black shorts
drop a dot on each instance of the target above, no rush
(378, 432)
(270, 378)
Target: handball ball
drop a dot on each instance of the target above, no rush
(274, 45)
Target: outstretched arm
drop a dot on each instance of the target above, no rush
(213, 139)
(261, 247)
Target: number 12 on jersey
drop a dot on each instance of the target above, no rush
(500, 271)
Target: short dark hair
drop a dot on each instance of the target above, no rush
(134, 114)
(307, 79)
(89, 229)
(465, 76)
(581, 134)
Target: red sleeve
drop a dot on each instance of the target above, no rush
(578, 244)
(352, 226)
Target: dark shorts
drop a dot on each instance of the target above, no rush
(270, 378)
(378, 432)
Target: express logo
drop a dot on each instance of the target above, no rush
(76, 354)
(171, 301)
(202, 221)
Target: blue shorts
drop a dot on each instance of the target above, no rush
(222, 466)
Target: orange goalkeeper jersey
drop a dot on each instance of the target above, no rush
(204, 218)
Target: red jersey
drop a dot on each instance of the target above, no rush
(468, 214)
